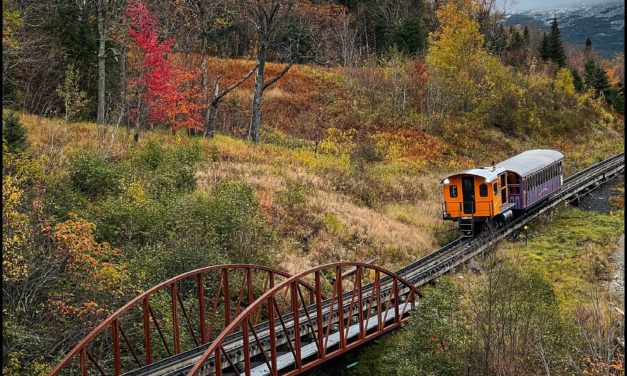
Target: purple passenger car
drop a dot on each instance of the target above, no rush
(533, 175)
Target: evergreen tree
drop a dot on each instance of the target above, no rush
(14, 133)
(526, 35)
(619, 99)
(517, 42)
(589, 73)
(408, 37)
(588, 49)
(577, 81)
(597, 79)
(555, 45)
(544, 47)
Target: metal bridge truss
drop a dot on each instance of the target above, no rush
(230, 331)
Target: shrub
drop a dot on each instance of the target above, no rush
(13, 133)
(93, 175)
(294, 196)
(165, 171)
(152, 155)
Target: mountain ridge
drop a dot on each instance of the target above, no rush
(604, 24)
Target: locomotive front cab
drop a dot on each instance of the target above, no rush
(475, 196)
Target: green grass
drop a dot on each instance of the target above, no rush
(570, 250)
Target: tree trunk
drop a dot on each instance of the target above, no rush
(212, 109)
(138, 119)
(102, 34)
(255, 119)
(204, 70)
(122, 83)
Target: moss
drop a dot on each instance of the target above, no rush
(569, 250)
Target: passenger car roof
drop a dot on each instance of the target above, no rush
(529, 161)
(489, 173)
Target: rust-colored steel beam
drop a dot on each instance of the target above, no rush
(117, 362)
(142, 302)
(175, 320)
(200, 288)
(146, 317)
(320, 332)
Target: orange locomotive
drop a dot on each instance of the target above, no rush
(498, 193)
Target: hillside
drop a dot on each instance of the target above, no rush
(603, 23)
(332, 128)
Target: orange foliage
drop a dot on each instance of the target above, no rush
(88, 275)
(408, 145)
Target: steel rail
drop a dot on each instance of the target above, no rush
(459, 251)
(418, 273)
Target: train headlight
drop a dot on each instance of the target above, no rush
(446, 181)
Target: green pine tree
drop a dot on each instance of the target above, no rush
(577, 81)
(13, 133)
(555, 45)
(589, 73)
(544, 47)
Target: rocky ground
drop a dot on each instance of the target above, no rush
(618, 279)
(598, 200)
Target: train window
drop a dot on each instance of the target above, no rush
(452, 190)
(495, 187)
(483, 190)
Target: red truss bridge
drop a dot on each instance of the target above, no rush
(256, 320)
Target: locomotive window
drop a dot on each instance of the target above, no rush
(495, 187)
(452, 190)
(483, 190)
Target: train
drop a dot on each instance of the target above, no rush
(496, 194)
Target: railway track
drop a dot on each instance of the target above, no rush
(420, 272)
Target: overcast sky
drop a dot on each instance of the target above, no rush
(518, 5)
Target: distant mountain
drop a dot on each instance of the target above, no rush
(603, 23)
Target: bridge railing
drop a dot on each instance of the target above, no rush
(314, 332)
(180, 314)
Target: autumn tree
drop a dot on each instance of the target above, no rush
(267, 16)
(163, 92)
(457, 61)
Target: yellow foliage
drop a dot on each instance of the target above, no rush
(15, 230)
(457, 43)
(564, 81)
(467, 74)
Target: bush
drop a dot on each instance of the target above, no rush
(165, 171)
(294, 196)
(13, 133)
(93, 175)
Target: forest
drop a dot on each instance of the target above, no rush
(143, 139)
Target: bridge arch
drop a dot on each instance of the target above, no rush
(311, 332)
(158, 324)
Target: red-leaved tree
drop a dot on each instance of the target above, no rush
(161, 91)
